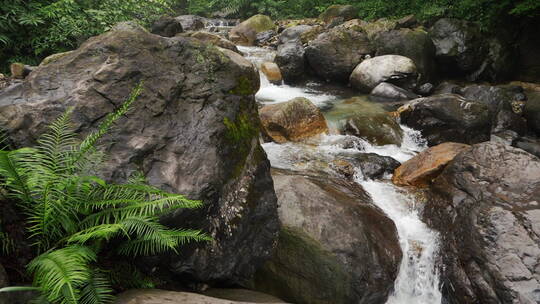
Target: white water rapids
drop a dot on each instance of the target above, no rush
(418, 279)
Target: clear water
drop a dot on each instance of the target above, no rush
(418, 278)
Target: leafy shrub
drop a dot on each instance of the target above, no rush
(75, 219)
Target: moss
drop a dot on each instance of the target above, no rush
(260, 23)
(302, 271)
(240, 134)
(244, 87)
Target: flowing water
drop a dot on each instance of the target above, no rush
(418, 280)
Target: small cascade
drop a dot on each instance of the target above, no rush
(221, 27)
(418, 278)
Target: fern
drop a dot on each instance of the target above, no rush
(71, 216)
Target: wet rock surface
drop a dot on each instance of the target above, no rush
(294, 120)
(292, 34)
(370, 122)
(194, 130)
(485, 203)
(448, 117)
(385, 90)
(191, 22)
(319, 259)
(427, 165)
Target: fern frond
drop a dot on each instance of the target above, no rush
(60, 273)
(150, 237)
(98, 290)
(101, 232)
(15, 177)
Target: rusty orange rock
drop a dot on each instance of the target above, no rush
(294, 120)
(272, 72)
(421, 169)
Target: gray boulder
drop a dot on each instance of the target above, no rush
(459, 46)
(334, 54)
(415, 44)
(154, 296)
(448, 117)
(291, 61)
(485, 204)
(194, 130)
(191, 22)
(532, 111)
(319, 258)
(167, 26)
(293, 33)
(398, 70)
(505, 108)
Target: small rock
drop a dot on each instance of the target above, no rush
(424, 167)
(293, 33)
(246, 32)
(389, 91)
(426, 89)
(272, 72)
(264, 38)
(19, 70)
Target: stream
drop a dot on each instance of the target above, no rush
(418, 279)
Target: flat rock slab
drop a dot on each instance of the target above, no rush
(156, 296)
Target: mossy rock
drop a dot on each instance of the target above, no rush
(246, 32)
(347, 12)
(302, 271)
(366, 120)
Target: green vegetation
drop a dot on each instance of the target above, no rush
(487, 12)
(77, 221)
(30, 30)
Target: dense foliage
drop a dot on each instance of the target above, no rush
(487, 12)
(33, 29)
(75, 220)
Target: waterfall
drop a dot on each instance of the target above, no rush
(418, 278)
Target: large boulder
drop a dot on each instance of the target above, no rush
(368, 121)
(344, 12)
(194, 130)
(421, 169)
(485, 204)
(291, 61)
(293, 33)
(319, 258)
(246, 32)
(333, 55)
(155, 296)
(294, 120)
(505, 105)
(459, 46)
(191, 22)
(415, 44)
(448, 117)
(395, 69)
(167, 26)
